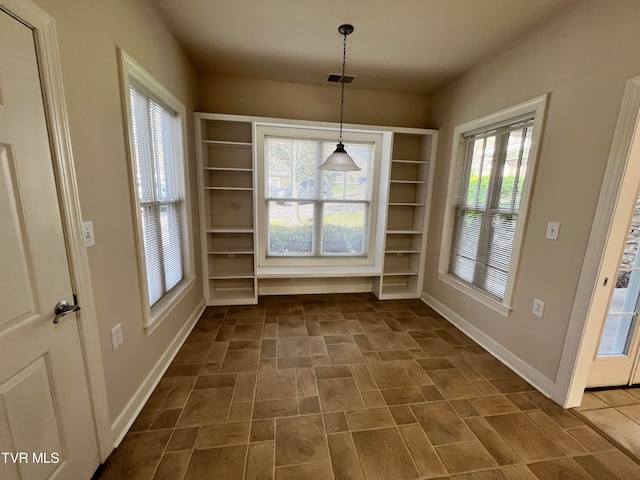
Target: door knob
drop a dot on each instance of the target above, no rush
(63, 308)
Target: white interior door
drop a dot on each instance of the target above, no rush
(618, 302)
(46, 424)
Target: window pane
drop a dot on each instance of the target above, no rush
(291, 167)
(140, 123)
(465, 249)
(344, 228)
(171, 244)
(350, 185)
(152, 252)
(480, 172)
(626, 292)
(290, 228)
(515, 166)
(163, 152)
(503, 228)
(616, 334)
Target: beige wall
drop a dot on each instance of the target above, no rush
(88, 34)
(263, 98)
(582, 57)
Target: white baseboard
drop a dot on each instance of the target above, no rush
(121, 425)
(526, 371)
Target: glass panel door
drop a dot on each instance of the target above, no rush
(623, 307)
(617, 355)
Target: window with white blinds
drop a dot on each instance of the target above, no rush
(492, 165)
(158, 195)
(488, 203)
(156, 127)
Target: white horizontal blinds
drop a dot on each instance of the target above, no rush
(489, 195)
(155, 156)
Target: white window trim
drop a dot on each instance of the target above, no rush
(325, 266)
(536, 107)
(133, 73)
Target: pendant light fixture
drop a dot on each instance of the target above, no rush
(340, 160)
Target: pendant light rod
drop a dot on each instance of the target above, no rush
(345, 29)
(340, 160)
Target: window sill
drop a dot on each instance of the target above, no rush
(476, 295)
(161, 310)
(319, 271)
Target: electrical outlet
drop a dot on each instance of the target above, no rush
(538, 307)
(116, 336)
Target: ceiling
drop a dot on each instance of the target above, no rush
(402, 45)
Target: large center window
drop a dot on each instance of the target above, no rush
(311, 216)
(314, 212)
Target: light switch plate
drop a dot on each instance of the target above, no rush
(538, 307)
(87, 234)
(553, 230)
(116, 336)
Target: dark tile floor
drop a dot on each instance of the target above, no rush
(349, 387)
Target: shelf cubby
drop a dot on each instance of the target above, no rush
(226, 156)
(405, 218)
(229, 209)
(227, 243)
(410, 186)
(226, 131)
(228, 180)
(232, 291)
(226, 166)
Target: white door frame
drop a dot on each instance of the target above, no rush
(584, 329)
(63, 165)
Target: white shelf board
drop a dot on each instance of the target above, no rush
(412, 182)
(418, 162)
(231, 144)
(242, 189)
(404, 231)
(402, 250)
(229, 169)
(230, 251)
(230, 229)
(404, 204)
(391, 271)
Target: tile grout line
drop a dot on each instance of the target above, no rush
(322, 413)
(253, 403)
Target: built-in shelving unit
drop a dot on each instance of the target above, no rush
(227, 191)
(408, 208)
(226, 166)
